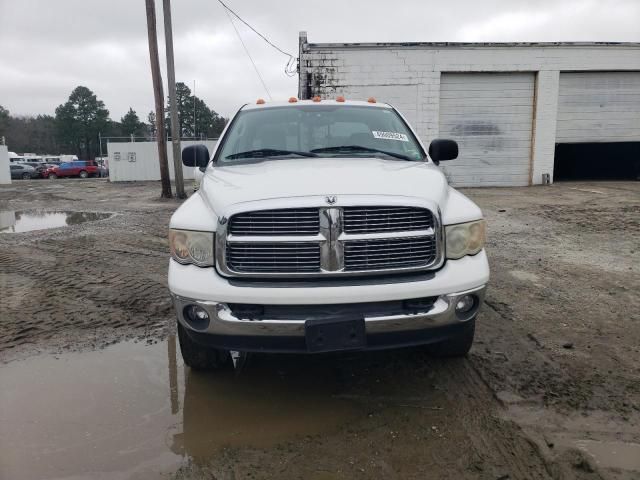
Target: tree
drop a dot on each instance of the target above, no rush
(207, 122)
(183, 95)
(4, 121)
(28, 134)
(130, 124)
(79, 120)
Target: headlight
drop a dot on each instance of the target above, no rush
(465, 239)
(188, 246)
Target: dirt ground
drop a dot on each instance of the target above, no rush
(551, 388)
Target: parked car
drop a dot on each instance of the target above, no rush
(324, 226)
(78, 168)
(22, 170)
(40, 168)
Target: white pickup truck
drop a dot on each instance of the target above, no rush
(322, 226)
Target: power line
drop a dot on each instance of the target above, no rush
(289, 69)
(255, 31)
(247, 52)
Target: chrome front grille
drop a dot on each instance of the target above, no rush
(325, 241)
(269, 257)
(276, 222)
(388, 253)
(386, 219)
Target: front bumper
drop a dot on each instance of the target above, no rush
(190, 285)
(225, 330)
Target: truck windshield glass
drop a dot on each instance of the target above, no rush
(318, 131)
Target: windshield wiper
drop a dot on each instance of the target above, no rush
(268, 152)
(358, 148)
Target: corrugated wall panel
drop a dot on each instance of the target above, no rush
(490, 115)
(599, 107)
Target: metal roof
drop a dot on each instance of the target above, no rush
(471, 44)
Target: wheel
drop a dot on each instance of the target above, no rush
(200, 357)
(83, 174)
(457, 346)
(26, 176)
(53, 176)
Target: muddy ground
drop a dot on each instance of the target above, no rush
(92, 386)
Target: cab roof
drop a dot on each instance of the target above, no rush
(270, 104)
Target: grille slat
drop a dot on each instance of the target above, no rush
(276, 222)
(292, 257)
(364, 256)
(386, 219)
(388, 253)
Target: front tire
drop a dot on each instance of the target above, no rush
(456, 346)
(199, 357)
(26, 176)
(83, 174)
(52, 176)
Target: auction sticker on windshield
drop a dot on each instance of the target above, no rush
(390, 136)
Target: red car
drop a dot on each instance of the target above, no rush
(78, 168)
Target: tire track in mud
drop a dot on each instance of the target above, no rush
(425, 418)
(55, 286)
(500, 443)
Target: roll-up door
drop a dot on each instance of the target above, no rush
(598, 107)
(490, 115)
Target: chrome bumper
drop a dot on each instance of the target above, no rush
(223, 322)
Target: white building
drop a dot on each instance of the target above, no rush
(138, 161)
(517, 110)
(5, 172)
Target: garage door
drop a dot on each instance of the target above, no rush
(490, 115)
(599, 107)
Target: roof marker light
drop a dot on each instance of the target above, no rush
(371, 100)
(293, 99)
(260, 101)
(340, 99)
(316, 98)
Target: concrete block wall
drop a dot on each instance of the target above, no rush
(5, 173)
(408, 77)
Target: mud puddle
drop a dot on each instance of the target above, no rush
(27, 221)
(606, 453)
(135, 411)
(611, 443)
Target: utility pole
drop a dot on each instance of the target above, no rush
(194, 110)
(173, 108)
(159, 98)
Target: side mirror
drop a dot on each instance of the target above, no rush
(442, 149)
(195, 156)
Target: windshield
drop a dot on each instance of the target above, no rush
(318, 131)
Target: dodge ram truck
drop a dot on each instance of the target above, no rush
(322, 226)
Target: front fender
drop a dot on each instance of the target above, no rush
(459, 209)
(194, 214)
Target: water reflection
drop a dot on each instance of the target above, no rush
(133, 408)
(26, 221)
(258, 408)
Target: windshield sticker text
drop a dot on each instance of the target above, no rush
(390, 136)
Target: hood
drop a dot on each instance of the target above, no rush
(224, 187)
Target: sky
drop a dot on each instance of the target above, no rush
(48, 47)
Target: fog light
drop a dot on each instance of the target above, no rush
(196, 314)
(465, 303)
